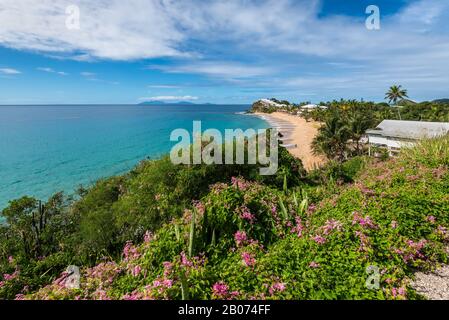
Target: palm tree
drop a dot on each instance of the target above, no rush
(396, 93)
(358, 122)
(332, 139)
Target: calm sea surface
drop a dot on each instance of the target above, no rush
(46, 149)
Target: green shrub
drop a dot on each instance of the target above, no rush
(430, 152)
(251, 240)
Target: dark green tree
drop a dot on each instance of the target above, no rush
(332, 138)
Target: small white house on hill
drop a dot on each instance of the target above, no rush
(395, 134)
(270, 103)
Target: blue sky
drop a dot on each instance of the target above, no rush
(233, 51)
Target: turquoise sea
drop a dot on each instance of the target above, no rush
(46, 149)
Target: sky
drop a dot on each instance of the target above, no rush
(230, 52)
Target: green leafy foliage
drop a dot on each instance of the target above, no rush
(114, 211)
(265, 242)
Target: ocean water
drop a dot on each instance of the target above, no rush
(46, 149)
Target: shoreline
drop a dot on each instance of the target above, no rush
(298, 136)
(67, 170)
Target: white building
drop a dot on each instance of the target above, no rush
(312, 106)
(395, 134)
(270, 103)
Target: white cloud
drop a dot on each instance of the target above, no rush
(213, 38)
(169, 98)
(50, 70)
(423, 12)
(163, 86)
(9, 71)
(219, 69)
(88, 74)
(118, 30)
(139, 29)
(91, 76)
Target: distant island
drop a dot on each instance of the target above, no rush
(441, 101)
(337, 205)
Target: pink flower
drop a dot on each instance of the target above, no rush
(246, 215)
(20, 297)
(168, 267)
(313, 264)
(331, 225)
(412, 251)
(61, 281)
(312, 208)
(248, 259)
(136, 271)
(396, 293)
(157, 283)
(167, 283)
(443, 231)
(199, 207)
(133, 296)
(319, 239)
(220, 290)
(363, 221)
(8, 277)
(185, 261)
(431, 219)
(277, 287)
(394, 224)
(10, 259)
(417, 245)
(239, 183)
(240, 238)
(130, 252)
(101, 294)
(298, 228)
(366, 191)
(162, 284)
(364, 241)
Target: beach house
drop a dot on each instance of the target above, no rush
(270, 103)
(304, 109)
(395, 134)
(312, 106)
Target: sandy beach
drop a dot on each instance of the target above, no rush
(298, 136)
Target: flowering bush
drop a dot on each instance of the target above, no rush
(245, 240)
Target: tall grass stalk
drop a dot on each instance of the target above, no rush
(283, 210)
(184, 286)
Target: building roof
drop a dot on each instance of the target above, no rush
(312, 106)
(271, 103)
(410, 129)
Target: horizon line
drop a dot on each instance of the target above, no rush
(121, 104)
